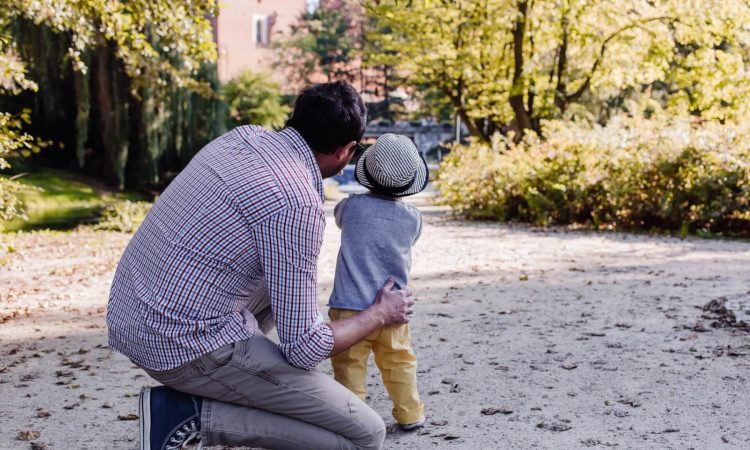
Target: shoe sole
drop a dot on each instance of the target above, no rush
(413, 426)
(144, 412)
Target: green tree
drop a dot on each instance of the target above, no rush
(254, 99)
(128, 86)
(324, 41)
(508, 64)
(158, 41)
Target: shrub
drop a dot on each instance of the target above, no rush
(125, 216)
(254, 99)
(632, 174)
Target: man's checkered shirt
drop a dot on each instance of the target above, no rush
(247, 210)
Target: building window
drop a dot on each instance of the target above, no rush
(260, 30)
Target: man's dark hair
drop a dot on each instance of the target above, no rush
(329, 115)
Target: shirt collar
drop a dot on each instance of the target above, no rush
(298, 144)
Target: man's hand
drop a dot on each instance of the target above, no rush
(397, 306)
(390, 308)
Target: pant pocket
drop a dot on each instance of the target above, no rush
(222, 355)
(175, 377)
(258, 354)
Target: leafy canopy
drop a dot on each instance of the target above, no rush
(512, 63)
(323, 41)
(173, 36)
(13, 140)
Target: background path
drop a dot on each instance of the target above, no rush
(564, 339)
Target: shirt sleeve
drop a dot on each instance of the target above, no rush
(289, 246)
(338, 211)
(419, 227)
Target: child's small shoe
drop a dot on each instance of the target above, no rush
(412, 426)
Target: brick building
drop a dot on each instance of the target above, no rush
(245, 30)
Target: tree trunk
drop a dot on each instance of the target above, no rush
(82, 89)
(561, 95)
(112, 109)
(517, 91)
(474, 130)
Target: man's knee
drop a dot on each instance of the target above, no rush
(374, 440)
(372, 427)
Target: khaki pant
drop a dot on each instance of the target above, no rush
(396, 361)
(253, 397)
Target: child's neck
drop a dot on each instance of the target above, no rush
(384, 197)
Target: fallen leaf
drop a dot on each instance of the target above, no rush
(630, 402)
(128, 417)
(502, 410)
(569, 366)
(28, 435)
(554, 426)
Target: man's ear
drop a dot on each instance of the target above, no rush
(346, 149)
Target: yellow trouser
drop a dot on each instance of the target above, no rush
(396, 361)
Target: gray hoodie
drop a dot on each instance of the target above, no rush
(377, 234)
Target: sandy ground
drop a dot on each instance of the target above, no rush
(564, 339)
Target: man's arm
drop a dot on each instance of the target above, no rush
(288, 246)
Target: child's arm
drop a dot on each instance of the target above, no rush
(419, 228)
(338, 211)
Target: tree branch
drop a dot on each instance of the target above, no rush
(603, 49)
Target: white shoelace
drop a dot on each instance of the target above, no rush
(185, 436)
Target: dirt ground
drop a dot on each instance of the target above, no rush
(526, 338)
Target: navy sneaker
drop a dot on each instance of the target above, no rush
(169, 419)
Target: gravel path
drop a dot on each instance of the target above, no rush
(526, 338)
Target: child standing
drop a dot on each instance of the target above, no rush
(377, 233)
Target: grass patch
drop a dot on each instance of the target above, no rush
(58, 200)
